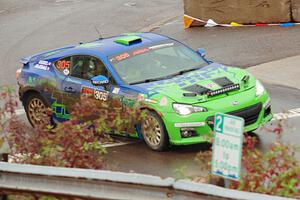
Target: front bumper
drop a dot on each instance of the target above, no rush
(256, 112)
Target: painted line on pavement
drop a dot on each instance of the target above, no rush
(20, 111)
(292, 113)
(116, 144)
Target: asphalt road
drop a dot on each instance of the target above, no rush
(31, 26)
(238, 46)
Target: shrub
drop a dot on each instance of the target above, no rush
(275, 172)
(77, 142)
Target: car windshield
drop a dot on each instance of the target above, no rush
(156, 62)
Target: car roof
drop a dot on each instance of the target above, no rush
(109, 46)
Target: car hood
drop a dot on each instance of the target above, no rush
(194, 87)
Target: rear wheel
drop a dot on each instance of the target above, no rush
(154, 132)
(254, 135)
(37, 110)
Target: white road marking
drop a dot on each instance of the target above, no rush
(292, 113)
(20, 111)
(116, 144)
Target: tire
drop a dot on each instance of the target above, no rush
(36, 110)
(254, 135)
(154, 132)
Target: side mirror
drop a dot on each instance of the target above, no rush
(201, 52)
(100, 80)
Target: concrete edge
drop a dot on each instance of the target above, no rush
(102, 175)
(222, 192)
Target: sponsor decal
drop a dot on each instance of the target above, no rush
(140, 51)
(210, 85)
(43, 65)
(235, 103)
(140, 97)
(66, 72)
(31, 80)
(100, 82)
(73, 80)
(60, 110)
(116, 90)
(161, 46)
(163, 101)
(87, 90)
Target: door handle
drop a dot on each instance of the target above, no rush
(69, 90)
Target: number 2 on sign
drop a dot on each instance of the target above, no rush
(219, 123)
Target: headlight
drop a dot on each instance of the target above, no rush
(185, 109)
(259, 88)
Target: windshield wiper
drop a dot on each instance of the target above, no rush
(187, 70)
(152, 79)
(166, 77)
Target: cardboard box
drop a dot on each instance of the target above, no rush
(240, 11)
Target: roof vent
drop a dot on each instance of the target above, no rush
(129, 40)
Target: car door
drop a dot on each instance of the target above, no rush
(78, 71)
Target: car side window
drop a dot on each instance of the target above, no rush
(72, 65)
(63, 65)
(94, 67)
(77, 66)
(84, 67)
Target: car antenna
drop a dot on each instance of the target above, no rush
(99, 33)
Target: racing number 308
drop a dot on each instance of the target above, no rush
(100, 95)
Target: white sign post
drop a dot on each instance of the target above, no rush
(227, 146)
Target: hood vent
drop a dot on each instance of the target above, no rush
(198, 89)
(223, 82)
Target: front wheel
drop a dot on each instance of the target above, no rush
(154, 132)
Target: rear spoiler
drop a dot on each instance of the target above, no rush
(26, 60)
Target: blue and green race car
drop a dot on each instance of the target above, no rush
(181, 88)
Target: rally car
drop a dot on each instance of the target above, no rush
(182, 89)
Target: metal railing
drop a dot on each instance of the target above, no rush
(100, 184)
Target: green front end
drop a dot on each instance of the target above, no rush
(243, 102)
(255, 110)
